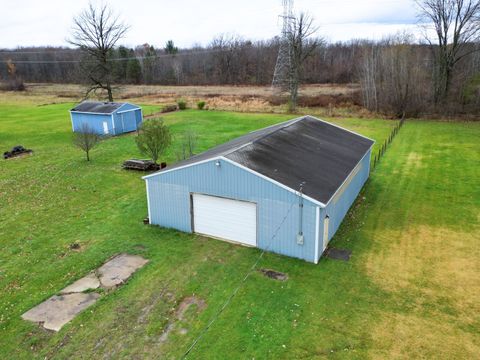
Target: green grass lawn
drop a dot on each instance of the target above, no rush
(411, 289)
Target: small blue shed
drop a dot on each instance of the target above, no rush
(285, 188)
(106, 118)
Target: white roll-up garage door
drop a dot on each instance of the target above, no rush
(225, 218)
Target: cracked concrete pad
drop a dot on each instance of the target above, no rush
(59, 310)
(88, 282)
(117, 270)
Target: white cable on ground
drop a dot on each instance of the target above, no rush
(235, 291)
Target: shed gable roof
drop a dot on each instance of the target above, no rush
(305, 150)
(98, 107)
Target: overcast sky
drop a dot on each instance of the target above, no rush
(48, 22)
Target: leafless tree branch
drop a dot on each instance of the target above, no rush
(96, 31)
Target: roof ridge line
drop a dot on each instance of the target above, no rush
(290, 122)
(341, 128)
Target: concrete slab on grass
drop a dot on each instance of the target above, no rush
(117, 270)
(59, 310)
(89, 282)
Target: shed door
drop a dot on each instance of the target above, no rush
(227, 219)
(325, 231)
(129, 121)
(105, 127)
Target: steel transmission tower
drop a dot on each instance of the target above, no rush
(281, 78)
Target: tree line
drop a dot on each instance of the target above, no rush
(398, 75)
(226, 60)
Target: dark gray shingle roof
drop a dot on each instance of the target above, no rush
(97, 107)
(304, 150)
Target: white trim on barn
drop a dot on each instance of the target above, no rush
(87, 112)
(242, 167)
(127, 103)
(125, 111)
(113, 124)
(349, 175)
(294, 120)
(71, 120)
(148, 200)
(109, 113)
(274, 182)
(317, 233)
(326, 232)
(180, 167)
(350, 131)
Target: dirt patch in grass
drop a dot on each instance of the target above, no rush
(185, 305)
(275, 275)
(74, 246)
(338, 254)
(179, 315)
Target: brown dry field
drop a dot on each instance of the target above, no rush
(322, 99)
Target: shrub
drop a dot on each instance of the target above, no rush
(169, 108)
(13, 85)
(277, 100)
(182, 104)
(153, 138)
(201, 105)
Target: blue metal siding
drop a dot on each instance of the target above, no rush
(125, 121)
(338, 206)
(138, 117)
(95, 121)
(122, 122)
(169, 198)
(127, 106)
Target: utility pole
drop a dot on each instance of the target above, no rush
(281, 75)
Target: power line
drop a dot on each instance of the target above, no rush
(44, 51)
(235, 291)
(124, 58)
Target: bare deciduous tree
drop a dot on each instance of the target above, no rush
(188, 145)
(95, 32)
(368, 77)
(86, 139)
(457, 26)
(172, 50)
(302, 46)
(392, 76)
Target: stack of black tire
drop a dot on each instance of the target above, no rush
(16, 151)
